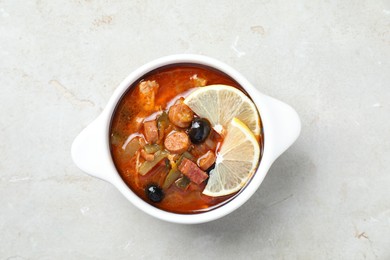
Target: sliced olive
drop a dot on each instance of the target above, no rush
(154, 193)
(200, 130)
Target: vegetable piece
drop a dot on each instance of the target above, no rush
(200, 130)
(163, 120)
(180, 115)
(174, 173)
(152, 148)
(178, 142)
(154, 193)
(116, 138)
(147, 166)
(147, 156)
(185, 155)
(132, 147)
(162, 124)
(192, 171)
(206, 160)
(172, 176)
(151, 131)
(183, 182)
(167, 163)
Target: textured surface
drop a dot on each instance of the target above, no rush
(327, 197)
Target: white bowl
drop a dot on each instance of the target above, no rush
(281, 127)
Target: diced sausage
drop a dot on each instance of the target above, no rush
(192, 171)
(151, 131)
(178, 142)
(180, 115)
(206, 160)
(147, 156)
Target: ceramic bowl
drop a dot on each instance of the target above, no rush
(281, 127)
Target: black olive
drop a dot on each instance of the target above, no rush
(200, 130)
(154, 193)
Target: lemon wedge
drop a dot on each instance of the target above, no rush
(236, 161)
(221, 103)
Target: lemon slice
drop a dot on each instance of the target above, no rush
(236, 161)
(220, 103)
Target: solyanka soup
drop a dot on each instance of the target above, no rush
(166, 144)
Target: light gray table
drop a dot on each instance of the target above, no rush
(327, 197)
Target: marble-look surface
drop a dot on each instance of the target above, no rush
(327, 197)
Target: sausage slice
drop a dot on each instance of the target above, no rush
(180, 115)
(178, 142)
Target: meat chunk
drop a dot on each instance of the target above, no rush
(151, 131)
(192, 171)
(147, 92)
(178, 142)
(198, 81)
(180, 115)
(207, 160)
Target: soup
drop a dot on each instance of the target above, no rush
(163, 150)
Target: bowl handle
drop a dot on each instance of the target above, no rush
(90, 151)
(284, 127)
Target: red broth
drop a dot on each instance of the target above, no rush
(127, 124)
